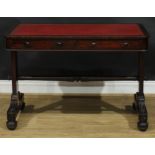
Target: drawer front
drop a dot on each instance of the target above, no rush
(111, 44)
(40, 44)
(76, 44)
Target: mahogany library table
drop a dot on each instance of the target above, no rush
(103, 38)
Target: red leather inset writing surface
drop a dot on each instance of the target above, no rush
(77, 30)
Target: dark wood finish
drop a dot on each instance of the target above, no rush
(14, 72)
(109, 38)
(76, 44)
(70, 37)
(111, 44)
(141, 72)
(80, 78)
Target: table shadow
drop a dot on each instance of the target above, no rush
(82, 105)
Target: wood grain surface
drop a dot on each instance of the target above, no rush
(77, 116)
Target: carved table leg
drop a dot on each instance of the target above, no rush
(17, 99)
(135, 103)
(17, 104)
(139, 104)
(142, 111)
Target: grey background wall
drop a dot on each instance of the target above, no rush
(51, 64)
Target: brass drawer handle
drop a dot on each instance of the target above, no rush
(59, 44)
(124, 44)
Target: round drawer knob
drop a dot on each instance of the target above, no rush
(93, 44)
(27, 44)
(59, 44)
(124, 44)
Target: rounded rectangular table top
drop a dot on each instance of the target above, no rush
(77, 30)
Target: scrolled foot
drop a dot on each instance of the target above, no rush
(21, 101)
(135, 103)
(135, 107)
(17, 104)
(142, 126)
(11, 125)
(140, 108)
(22, 106)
